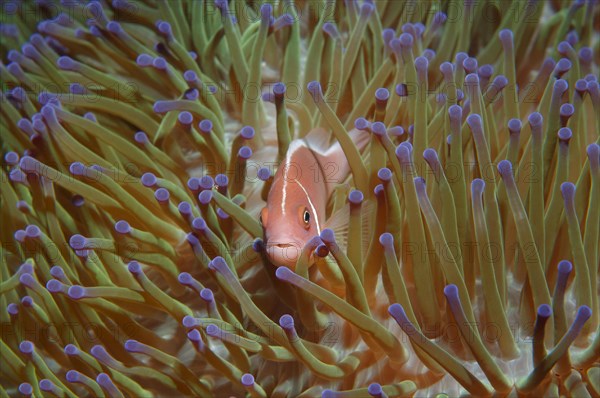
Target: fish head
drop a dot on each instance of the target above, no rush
(290, 219)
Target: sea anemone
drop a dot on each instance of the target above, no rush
(140, 140)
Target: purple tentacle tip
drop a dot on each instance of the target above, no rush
(384, 174)
(505, 168)
(185, 118)
(195, 336)
(25, 389)
(184, 208)
(221, 180)
(133, 346)
(134, 267)
(565, 267)
(581, 86)
(54, 286)
(245, 152)
(474, 120)
(421, 63)
(165, 28)
(73, 376)
(264, 173)
(506, 36)
(477, 186)
(188, 321)
(565, 134)
(205, 126)
(315, 88)
(386, 239)
(162, 195)
(185, 278)
(279, 89)
(472, 79)
(451, 292)
(160, 63)
(535, 119)
(327, 235)
(222, 214)
(104, 380)
(71, 349)
(122, 227)
(114, 27)
(33, 231)
(567, 110)
(378, 129)
(57, 272)
(199, 224)
(396, 131)
(207, 295)
(568, 191)
(205, 197)
(366, 10)
(27, 301)
(12, 309)
(361, 123)
(148, 180)
(247, 380)
(66, 63)
(564, 47)
(321, 250)
(544, 311)
(593, 152)
(287, 322)
(331, 29)
(431, 156)
(77, 242)
(144, 60)
(401, 90)
(20, 235)
(76, 292)
(455, 112)
(247, 132)
(375, 389)
(206, 182)
(218, 263)
(382, 94)
(258, 245)
(406, 40)
(283, 273)
(28, 164)
(403, 153)
(356, 197)
(560, 86)
(514, 126)
(26, 347)
(46, 385)
(397, 312)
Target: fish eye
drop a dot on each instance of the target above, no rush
(306, 217)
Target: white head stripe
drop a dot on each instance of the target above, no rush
(312, 207)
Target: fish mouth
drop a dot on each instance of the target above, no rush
(283, 253)
(282, 245)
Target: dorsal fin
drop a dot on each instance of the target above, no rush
(318, 139)
(331, 158)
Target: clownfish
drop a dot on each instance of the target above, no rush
(297, 201)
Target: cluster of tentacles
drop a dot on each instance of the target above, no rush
(140, 139)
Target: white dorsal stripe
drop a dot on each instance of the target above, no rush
(294, 146)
